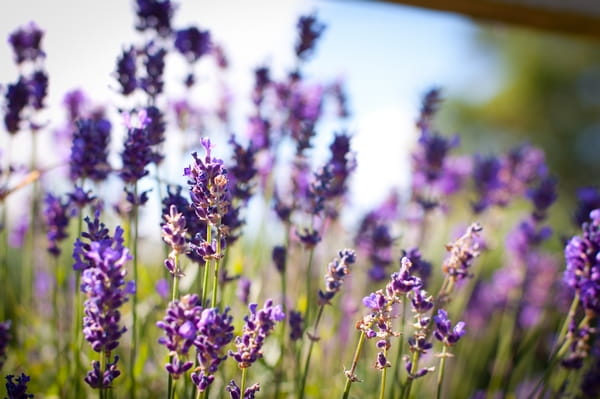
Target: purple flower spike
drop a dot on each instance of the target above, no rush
(279, 255)
(259, 324)
(444, 331)
(89, 151)
(462, 253)
(4, 338)
(180, 327)
(309, 31)
(214, 334)
(97, 378)
(193, 43)
(234, 391)
(154, 61)
(336, 271)
(106, 290)
(296, 321)
(126, 70)
(26, 43)
(174, 233)
(154, 15)
(56, 215)
(18, 389)
(17, 98)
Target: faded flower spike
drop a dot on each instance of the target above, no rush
(336, 271)
(462, 253)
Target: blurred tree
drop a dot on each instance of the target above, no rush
(549, 95)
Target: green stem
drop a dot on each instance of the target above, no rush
(281, 370)
(309, 285)
(206, 269)
(350, 376)
(170, 382)
(243, 384)
(213, 301)
(313, 339)
(440, 379)
(413, 370)
(383, 378)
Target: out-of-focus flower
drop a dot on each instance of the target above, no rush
(462, 253)
(26, 43)
(154, 61)
(17, 98)
(336, 271)
(56, 216)
(193, 43)
(279, 256)
(89, 151)
(243, 290)
(309, 31)
(4, 338)
(17, 389)
(38, 89)
(296, 321)
(588, 199)
(154, 15)
(126, 71)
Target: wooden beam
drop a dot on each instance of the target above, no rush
(552, 15)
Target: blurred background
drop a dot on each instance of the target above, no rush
(502, 82)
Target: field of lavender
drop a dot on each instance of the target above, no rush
(160, 254)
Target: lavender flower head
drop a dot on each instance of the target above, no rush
(56, 216)
(154, 15)
(259, 324)
(174, 233)
(296, 320)
(181, 327)
(336, 271)
(154, 61)
(462, 253)
(137, 151)
(309, 31)
(18, 389)
(215, 331)
(89, 150)
(193, 43)
(26, 43)
(98, 378)
(234, 391)
(4, 338)
(126, 71)
(582, 273)
(106, 290)
(444, 331)
(17, 98)
(208, 185)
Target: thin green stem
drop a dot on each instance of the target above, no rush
(383, 378)
(213, 302)
(281, 370)
(309, 285)
(174, 292)
(413, 370)
(440, 379)
(313, 338)
(350, 376)
(206, 269)
(243, 384)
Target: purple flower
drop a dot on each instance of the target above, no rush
(80, 198)
(336, 271)
(295, 320)
(243, 170)
(89, 150)
(180, 326)
(259, 324)
(174, 233)
(97, 232)
(154, 15)
(106, 291)
(542, 197)
(17, 390)
(583, 270)
(154, 61)
(4, 338)
(310, 238)
(17, 98)
(341, 164)
(403, 282)
(309, 31)
(126, 70)
(243, 289)
(26, 43)
(279, 256)
(38, 89)
(193, 43)
(56, 216)
(213, 335)
(208, 187)
(462, 253)
(97, 378)
(234, 391)
(444, 330)
(429, 107)
(137, 154)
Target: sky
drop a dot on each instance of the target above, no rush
(388, 56)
